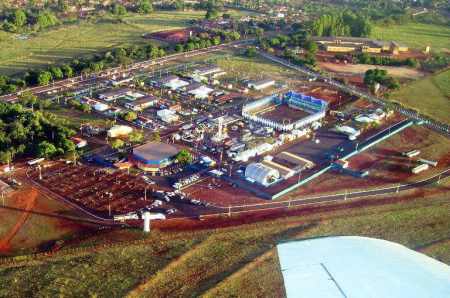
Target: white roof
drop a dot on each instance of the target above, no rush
(201, 92)
(360, 267)
(261, 173)
(101, 107)
(176, 84)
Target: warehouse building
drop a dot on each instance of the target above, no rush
(142, 103)
(358, 44)
(153, 156)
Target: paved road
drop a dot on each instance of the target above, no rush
(118, 71)
(433, 124)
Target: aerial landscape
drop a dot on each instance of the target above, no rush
(234, 148)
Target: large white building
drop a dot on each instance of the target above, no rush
(261, 174)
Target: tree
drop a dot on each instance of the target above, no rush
(136, 137)
(28, 99)
(67, 71)
(179, 48)
(46, 19)
(6, 157)
(184, 157)
(250, 52)
(56, 72)
(117, 144)
(84, 107)
(46, 149)
(118, 10)
(129, 116)
(44, 78)
(144, 6)
(156, 137)
(19, 18)
(211, 14)
(311, 47)
(68, 145)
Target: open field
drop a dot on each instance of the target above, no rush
(416, 35)
(76, 118)
(430, 96)
(224, 262)
(360, 69)
(69, 41)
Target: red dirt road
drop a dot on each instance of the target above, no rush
(30, 201)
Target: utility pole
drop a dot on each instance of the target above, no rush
(145, 194)
(229, 211)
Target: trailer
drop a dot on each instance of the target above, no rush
(411, 154)
(420, 168)
(35, 161)
(428, 162)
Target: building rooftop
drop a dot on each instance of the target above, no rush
(351, 266)
(155, 151)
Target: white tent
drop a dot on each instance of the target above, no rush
(262, 174)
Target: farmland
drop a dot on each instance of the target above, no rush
(218, 262)
(69, 41)
(430, 96)
(416, 35)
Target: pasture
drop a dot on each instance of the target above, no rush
(85, 38)
(430, 96)
(415, 35)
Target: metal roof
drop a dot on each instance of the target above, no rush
(155, 151)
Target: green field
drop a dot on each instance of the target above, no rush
(430, 96)
(229, 262)
(416, 35)
(85, 38)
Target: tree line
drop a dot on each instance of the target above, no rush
(344, 23)
(20, 20)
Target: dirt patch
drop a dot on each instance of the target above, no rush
(29, 198)
(360, 69)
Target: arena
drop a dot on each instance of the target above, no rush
(153, 156)
(286, 112)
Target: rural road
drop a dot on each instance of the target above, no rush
(302, 201)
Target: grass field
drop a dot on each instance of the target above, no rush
(416, 35)
(76, 118)
(85, 38)
(430, 96)
(229, 262)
